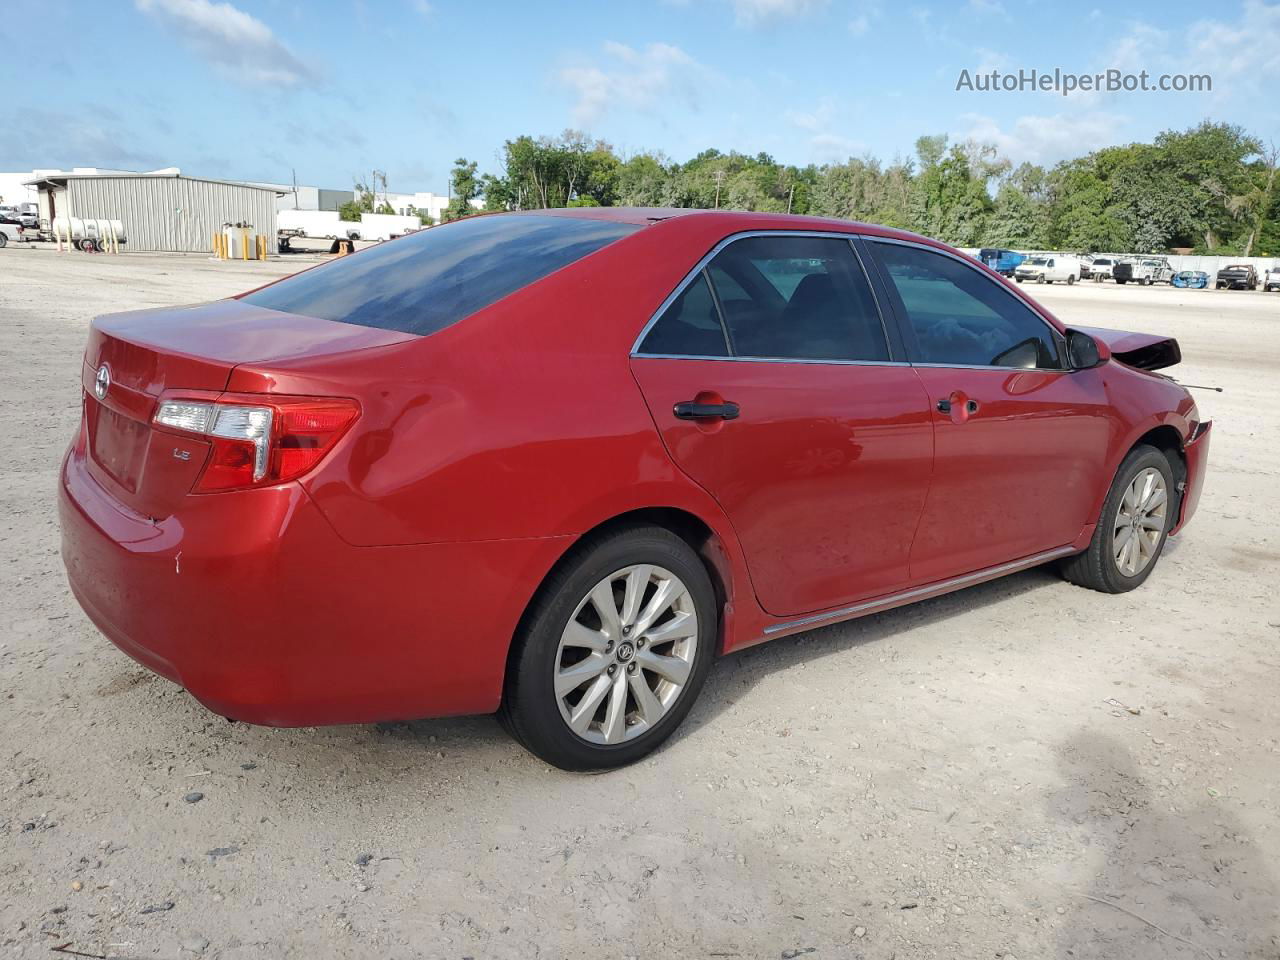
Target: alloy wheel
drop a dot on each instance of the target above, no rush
(1140, 522)
(626, 654)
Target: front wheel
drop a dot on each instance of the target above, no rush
(1136, 518)
(1071, 278)
(613, 651)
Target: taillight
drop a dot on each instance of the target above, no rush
(259, 440)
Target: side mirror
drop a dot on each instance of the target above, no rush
(1082, 351)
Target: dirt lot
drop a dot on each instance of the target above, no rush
(1024, 769)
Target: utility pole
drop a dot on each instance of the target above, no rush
(791, 196)
(294, 173)
(718, 176)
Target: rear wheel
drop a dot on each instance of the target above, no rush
(4, 239)
(1136, 518)
(613, 651)
(1071, 278)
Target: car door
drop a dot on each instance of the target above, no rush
(776, 386)
(1020, 441)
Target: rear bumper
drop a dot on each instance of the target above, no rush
(251, 602)
(1196, 452)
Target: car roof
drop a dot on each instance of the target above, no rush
(731, 220)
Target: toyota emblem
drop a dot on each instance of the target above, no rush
(102, 382)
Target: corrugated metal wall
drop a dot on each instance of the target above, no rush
(170, 213)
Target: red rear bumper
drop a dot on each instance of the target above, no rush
(1196, 452)
(252, 602)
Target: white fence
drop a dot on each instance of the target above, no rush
(1210, 265)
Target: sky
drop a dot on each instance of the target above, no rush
(258, 90)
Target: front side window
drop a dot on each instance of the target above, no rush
(429, 279)
(961, 317)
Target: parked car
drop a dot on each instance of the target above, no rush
(1003, 262)
(553, 463)
(1271, 280)
(10, 231)
(1086, 267)
(1142, 270)
(1101, 269)
(1048, 269)
(1193, 279)
(1241, 276)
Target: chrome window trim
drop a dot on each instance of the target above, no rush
(734, 238)
(838, 363)
(1054, 333)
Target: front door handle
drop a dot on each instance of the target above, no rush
(692, 410)
(944, 405)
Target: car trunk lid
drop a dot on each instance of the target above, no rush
(132, 359)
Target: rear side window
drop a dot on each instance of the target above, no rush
(424, 282)
(797, 298)
(690, 327)
(961, 317)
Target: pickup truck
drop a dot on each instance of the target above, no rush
(1235, 275)
(1271, 280)
(1003, 262)
(1143, 270)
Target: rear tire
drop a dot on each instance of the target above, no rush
(1130, 536)
(1071, 278)
(4, 239)
(632, 689)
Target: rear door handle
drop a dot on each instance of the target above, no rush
(691, 410)
(944, 406)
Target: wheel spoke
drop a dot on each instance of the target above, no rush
(1152, 523)
(607, 607)
(1122, 538)
(648, 705)
(1155, 501)
(576, 635)
(585, 711)
(677, 628)
(669, 592)
(637, 582)
(670, 668)
(615, 713)
(571, 678)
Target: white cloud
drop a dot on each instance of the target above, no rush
(986, 6)
(635, 79)
(232, 40)
(750, 12)
(1046, 138)
(1241, 55)
(423, 7)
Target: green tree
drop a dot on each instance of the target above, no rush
(464, 186)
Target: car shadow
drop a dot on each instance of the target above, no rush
(1174, 881)
(733, 676)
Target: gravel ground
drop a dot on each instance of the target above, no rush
(1024, 769)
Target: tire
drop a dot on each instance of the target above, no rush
(1040, 278)
(1099, 567)
(1018, 279)
(1071, 278)
(1122, 282)
(4, 239)
(565, 629)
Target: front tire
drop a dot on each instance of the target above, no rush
(1136, 518)
(613, 651)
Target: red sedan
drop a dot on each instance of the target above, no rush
(552, 463)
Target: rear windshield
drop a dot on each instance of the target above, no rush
(425, 281)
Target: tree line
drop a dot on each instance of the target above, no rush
(1211, 189)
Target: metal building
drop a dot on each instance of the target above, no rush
(159, 211)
